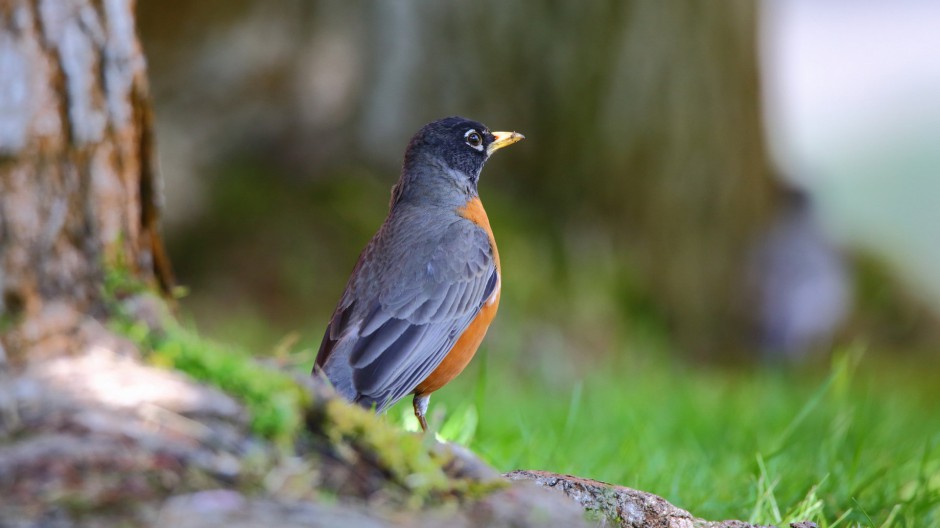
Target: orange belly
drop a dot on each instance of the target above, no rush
(462, 352)
(468, 343)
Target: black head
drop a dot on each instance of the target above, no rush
(458, 144)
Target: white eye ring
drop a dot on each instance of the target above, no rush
(474, 139)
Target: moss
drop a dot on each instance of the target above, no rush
(604, 508)
(274, 400)
(410, 460)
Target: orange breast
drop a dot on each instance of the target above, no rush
(464, 349)
(468, 342)
(474, 212)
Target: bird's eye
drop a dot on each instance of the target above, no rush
(474, 139)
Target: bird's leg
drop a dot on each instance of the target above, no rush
(420, 403)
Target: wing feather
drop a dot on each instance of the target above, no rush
(382, 338)
(406, 320)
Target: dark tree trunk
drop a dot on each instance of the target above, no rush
(78, 191)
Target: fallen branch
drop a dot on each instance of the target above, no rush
(626, 507)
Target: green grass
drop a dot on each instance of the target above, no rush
(857, 444)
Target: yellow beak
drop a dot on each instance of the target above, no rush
(503, 139)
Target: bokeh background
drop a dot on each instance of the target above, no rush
(723, 187)
(734, 178)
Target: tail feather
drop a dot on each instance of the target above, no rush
(335, 366)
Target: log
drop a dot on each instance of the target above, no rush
(626, 507)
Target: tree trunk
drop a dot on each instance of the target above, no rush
(78, 191)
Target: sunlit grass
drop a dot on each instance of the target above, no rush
(854, 446)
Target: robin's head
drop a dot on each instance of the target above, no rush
(451, 151)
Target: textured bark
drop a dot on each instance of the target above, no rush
(626, 507)
(99, 436)
(517, 506)
(77, 182)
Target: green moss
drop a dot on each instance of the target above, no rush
(403, 455)
(604, 508)
(410, 459)
(273, 399)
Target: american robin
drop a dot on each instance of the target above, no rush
(426, 287)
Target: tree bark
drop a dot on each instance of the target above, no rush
(626, 507)
(78, 189)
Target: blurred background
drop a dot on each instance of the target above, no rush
(733, 181)
(719, 239)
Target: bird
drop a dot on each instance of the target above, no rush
(427, 285)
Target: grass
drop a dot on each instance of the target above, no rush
(855, 445)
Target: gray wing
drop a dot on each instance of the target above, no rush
(399, 323)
